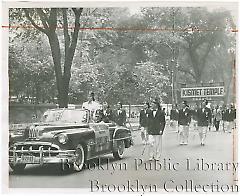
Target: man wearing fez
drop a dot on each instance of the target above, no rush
(204, 117)
(224, 115)
(120, 115)
(174, 117)
(194, 116)
(155, 130)
(144, 121)
(184, 119)
(91, 105)
(230, 115)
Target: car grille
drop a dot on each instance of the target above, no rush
(47, 150)
(33, 133)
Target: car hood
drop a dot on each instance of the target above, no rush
(46, 127)
(47, 131)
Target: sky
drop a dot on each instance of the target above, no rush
(228, 6)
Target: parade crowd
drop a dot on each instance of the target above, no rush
(152, 120)
(202, 119)
(205, 116)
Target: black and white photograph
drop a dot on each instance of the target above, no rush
(120, 97)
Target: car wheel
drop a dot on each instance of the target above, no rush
(18, 167)
(118, 154)
(80, 159)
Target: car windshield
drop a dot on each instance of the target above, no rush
(66, 116)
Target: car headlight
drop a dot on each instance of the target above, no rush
(62, 138)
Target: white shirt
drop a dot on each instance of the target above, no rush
(105, 112)
(91, 106)
(154, 113)
(208, 105)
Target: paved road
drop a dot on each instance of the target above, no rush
(218, 149)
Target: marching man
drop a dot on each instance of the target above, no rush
(230, 115)
(194, 116)
(143, 121)
(174, 117)
(155, 130)
(204, 117)
(184, 118)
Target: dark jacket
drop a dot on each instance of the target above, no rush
(204, 118)
(174, 114)
(106, 115)
(184, 117)
(230, 115)
(224, 115)
(194, 114)
(156, 123)
(144, 118)
(120, 117)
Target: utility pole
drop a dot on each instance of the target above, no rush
(174, 61)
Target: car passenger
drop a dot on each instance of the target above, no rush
(120, 115)
(92, 105)
(106, 113)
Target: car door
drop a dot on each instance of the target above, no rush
(102, 138)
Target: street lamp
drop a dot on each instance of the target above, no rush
(231, 51)
(170, 72)
(172, 85)
(173, 55)
(173, 73)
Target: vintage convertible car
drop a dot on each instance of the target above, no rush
(67, 137)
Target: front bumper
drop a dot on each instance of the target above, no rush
(41, 156)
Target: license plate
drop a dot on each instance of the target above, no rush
(29, 159)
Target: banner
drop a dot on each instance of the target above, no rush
(194, 92)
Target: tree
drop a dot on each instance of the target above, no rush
(113, 62)
(31, 75)
(49, 19)
(207, 30)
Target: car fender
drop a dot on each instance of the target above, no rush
(75, 137)
(121, 133)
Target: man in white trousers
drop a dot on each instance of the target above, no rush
(156, 127)
(204, 120)
(174, 117)
(184, 119)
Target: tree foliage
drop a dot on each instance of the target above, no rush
(133, 62)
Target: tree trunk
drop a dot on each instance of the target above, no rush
(56, 54)
(50, 25)
(195, 65)
(37, 92)
(198, 77)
